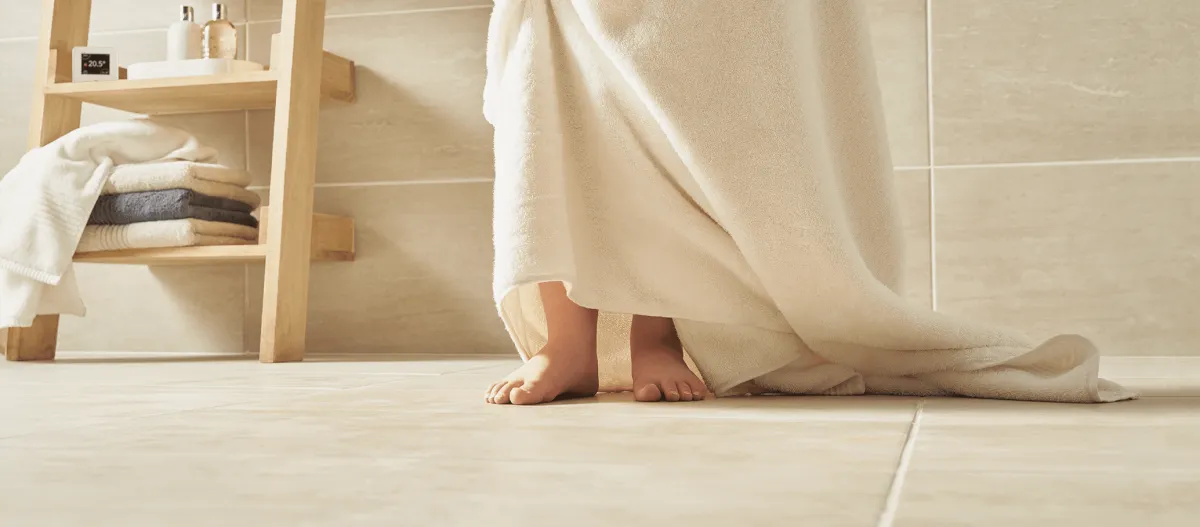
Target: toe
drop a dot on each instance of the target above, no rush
(494, 395)
(648, 394)
(494, 390)
(685, 392)
(670, 391)
(504, 395)
(530, 393)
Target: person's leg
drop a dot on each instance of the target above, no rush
(566, 366)
(659, 372)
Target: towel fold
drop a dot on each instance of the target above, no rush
(208, 179)
(755, 207)
(46, 200)
(160, 234)
(174, 204)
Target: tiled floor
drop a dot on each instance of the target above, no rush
(100, 440)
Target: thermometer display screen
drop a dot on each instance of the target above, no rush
(96, 64)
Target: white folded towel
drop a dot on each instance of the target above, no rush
(725, 164)
(160, 234)
(46, 200)
(205, 178)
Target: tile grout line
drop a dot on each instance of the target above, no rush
(933, 275)
(386, 13)
(887, 517)
(396, 183)
(247, 21)
(1080, 162)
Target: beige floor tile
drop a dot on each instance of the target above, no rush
(53, 409)
(1035, 499)
(1006, 463)
(393, 452)
(270, 9)
(294, 487)
(421, 281)
(1060, 80)
(149, 439)
(1145, 436)
(1104, 251)
(419, 114)
(898, 32)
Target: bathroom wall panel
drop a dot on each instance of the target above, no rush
(1111, 252)
(1065, 80)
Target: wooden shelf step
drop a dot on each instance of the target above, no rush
(332, 241)
(214, 93)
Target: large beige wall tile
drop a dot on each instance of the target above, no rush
(422, 280)
(270, 9)
(131, 308)
(419, 113)
(16, 89)
(1108, 251)
(898, 34)
(913, 190)
(1058, 80)
(22, 18)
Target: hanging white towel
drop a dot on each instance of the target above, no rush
(725, 164)
(46, 200)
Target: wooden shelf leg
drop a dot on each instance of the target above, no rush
(293, 175)
(33, 343)
(64, 26)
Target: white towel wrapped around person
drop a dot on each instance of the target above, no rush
(725, 164)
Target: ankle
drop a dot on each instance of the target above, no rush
(571, 346)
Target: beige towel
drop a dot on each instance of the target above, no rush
(205, 178)
(159, 234)
(726, 165)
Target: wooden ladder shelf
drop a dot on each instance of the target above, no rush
(291, 235)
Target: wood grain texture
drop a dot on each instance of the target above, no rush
(332, 241)
(293, 175)
(64, 26)
(254, 90)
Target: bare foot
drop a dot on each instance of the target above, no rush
(554, 373)
(565, 367)
(659, 372)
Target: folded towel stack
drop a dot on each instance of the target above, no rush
(172, 204)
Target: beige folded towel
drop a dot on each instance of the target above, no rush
(208, 179)
(159, 234)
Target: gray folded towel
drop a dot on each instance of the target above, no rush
(172, 204)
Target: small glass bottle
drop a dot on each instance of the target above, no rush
(220, 35)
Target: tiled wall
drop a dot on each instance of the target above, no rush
(1048, 173)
